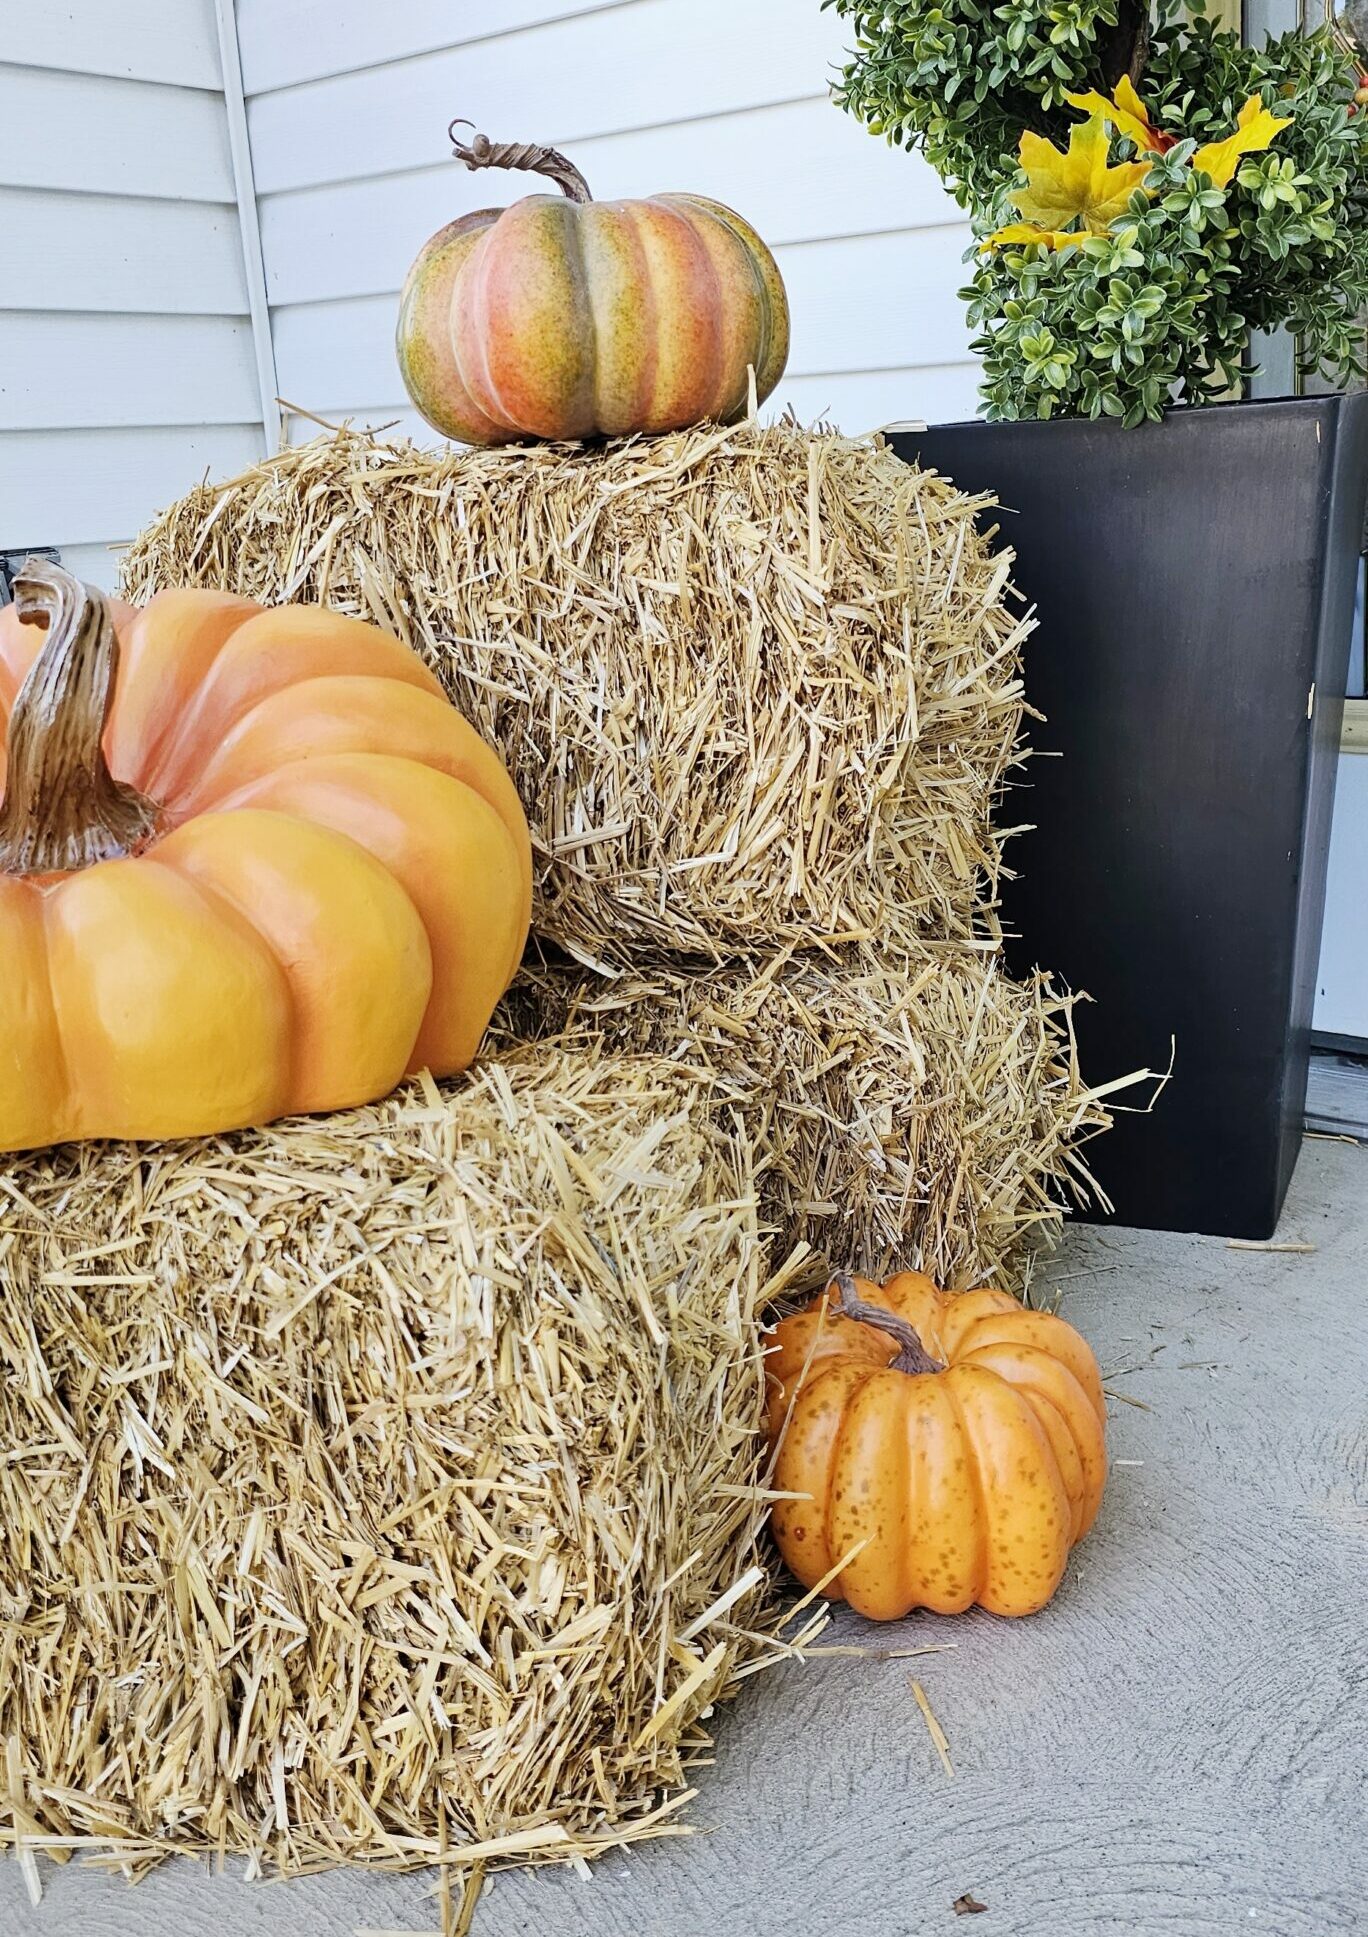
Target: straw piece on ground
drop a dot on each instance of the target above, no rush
(756, 686)
(364, 1480)
(933, 1727)
(917, 1109)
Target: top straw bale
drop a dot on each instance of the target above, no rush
(758, 687)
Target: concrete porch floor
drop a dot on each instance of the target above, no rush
(1177, 1745)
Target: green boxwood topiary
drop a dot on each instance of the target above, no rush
(1158, 307)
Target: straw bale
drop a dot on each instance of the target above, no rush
(380, 1485)
(757, 686)
(906, 1109)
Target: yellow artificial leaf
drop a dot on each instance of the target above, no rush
(1079, 184)
(1129, 101)
(1127, 114)
(1254, 131)
(1019, 232)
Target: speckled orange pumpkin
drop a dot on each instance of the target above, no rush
(562, 317)
(950, 1442)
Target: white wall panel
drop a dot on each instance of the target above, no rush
(1342, 982)
(600, 73)
(86, 131)
(284, 42)
(126, 360)
(336, 354)
(118, 253)
(876, 302)
(94, 564)
(67, 487)
(78, 371)
(140, 40)
(823, 177)
(862, 400)
(392, 423)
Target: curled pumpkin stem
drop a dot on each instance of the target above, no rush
(481, 152)
(912, 1355)
(62, 808)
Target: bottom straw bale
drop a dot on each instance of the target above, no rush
(381, 1487)
(905, 1110)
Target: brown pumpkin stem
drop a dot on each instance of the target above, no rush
(481, 152)
(63, 808)
(912, 1354)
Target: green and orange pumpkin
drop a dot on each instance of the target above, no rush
(562, 317)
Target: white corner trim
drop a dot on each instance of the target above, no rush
(244, 182)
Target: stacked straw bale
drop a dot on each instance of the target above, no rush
(758, 688)
(917, 1109)
(386, 1487)
(382, 1486)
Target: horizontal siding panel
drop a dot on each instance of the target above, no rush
(393, 423)
(77, 486)
(630, 67)
(88, 132)
(72, 371)
(101, 252)
(822, 176)
(1342, 980)
(93, 564)
(877, 302)
(868, 303)
(141, 40)
(861, 400)
(336, 352)
(284, 42)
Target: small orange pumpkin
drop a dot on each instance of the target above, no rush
(251, 862)
(562, 317)
(960, 1478)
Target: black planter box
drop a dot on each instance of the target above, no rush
(1195, 584)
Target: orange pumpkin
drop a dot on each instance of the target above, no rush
(251, 862)
(562, 317)
(951, 1479)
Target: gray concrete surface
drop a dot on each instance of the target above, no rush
(1178, 1746)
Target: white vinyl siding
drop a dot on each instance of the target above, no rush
(126, 359)
(124, 371)
(102, 481)
(129, 255)
(96, 133)
(348, 107)
(173, 41)
(1342, 983)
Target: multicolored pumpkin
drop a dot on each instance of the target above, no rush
(252, 862)
(562, 317)
(948, 1480)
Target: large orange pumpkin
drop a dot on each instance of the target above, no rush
(562, 317)
(251, 862)
(951, 1443)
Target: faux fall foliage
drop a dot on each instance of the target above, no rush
(1231, 195)
(1081, 186)
(251, 862)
